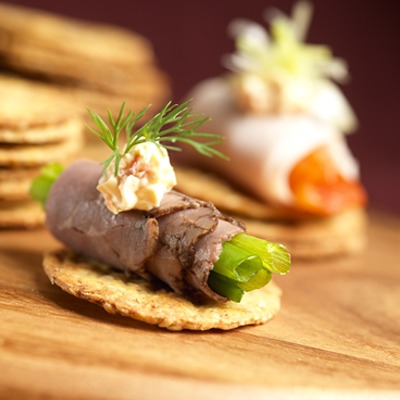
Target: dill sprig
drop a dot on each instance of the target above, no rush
(174, 123)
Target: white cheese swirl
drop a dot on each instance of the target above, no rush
(144, 175)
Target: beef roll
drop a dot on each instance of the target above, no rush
(177, 242)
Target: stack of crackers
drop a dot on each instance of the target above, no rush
(37, 127)
(96, 65)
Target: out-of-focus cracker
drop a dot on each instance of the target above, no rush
(137, 81)
(27, 214)
(26, 104)
(74, 53)
(41, 134)
(343, 234)
(139, 299)
(36, 155)
(15, 182)
(79, 39)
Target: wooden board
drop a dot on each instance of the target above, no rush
(337, 334)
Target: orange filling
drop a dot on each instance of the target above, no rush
(319, 188)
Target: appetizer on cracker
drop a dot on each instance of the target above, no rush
(283, 120)
(140, 248)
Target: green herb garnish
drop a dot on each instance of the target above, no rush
(174, 123)
(42, 184)
(246, 263)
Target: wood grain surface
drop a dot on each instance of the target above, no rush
(336, 336)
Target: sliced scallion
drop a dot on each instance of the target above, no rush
(246, 263)
(258, 281)
(274, 256)
(237, 263)
(225, 287)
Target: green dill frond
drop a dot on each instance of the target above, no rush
(174, 123)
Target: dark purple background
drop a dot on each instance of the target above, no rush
(189, 37)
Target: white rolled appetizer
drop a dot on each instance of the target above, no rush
(283, 119)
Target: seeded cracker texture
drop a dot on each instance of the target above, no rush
(138, 299)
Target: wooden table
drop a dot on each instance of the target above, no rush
(337, 336)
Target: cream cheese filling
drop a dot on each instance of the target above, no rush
(144, 175)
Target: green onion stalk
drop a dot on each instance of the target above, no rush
(246, 263)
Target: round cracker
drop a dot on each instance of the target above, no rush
(18, 174)
(82, 40)
(16, 182)
(36, 155)
(15, 190)
(124, 81)
(140, 300)
(343, 234)
(25, 103)
(27, 214)
(42, 134)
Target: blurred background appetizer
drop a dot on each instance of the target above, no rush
(283, 119)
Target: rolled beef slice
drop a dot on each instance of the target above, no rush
(177, 242)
